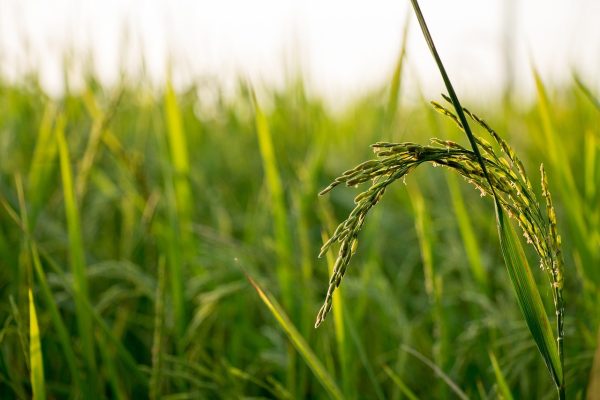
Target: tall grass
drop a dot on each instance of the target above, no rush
(93, 196)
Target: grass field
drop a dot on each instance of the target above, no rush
(164, 244)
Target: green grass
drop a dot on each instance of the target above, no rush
(134, 216)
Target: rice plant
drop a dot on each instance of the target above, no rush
(501, 176)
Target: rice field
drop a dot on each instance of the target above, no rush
(162, 243)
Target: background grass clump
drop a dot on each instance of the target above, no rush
(136, 217)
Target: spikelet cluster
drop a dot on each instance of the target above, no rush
(506, 172)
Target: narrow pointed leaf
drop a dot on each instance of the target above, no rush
(35, 354)
(299, 343)
(528, 297)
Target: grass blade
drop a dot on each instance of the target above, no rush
(76, 254)
(298, 341)
(467, 233)
(500, 379)
(400, 383)
(568, 188)
(283, 242)
(157, 339)
(35, 354)
(177, 240)
(179, 155)
(43, 164)
(46, 292)
(438, 371)
(593, 386)
(277, 200)
(528, 297)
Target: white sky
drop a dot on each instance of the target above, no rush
(342, 47)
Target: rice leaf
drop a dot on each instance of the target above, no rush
(56, 318)
(396, 82)
(35, 354)
(43, 164)
(400, 383)
(120, 349)
(23, 222)
(107, 355)
(298, 341)
(177, 239)
(178, 151)
(438, 371)
(277, 200)
(157, 337)
(528, 297)
(467, 233)
(500, 379)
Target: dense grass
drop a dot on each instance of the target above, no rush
(137, 217)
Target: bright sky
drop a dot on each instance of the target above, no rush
(342, 46)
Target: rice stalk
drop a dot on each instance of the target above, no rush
(123, 354)
(567, 186)
(586, 91)
(283, 241)
(43, 164)
(503, 177)
(396, 83)
(339, 328)
(277, 199)
(434, 283)
(395, 160)
(114, 379)
(179, 155)
(503, 389)
(178, 240)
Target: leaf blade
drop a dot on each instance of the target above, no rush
(35, 353)
(298, 341)
(529, 299)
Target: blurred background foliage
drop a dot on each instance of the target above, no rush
(137, 216)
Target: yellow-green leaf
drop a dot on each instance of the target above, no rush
(35, 354)
(298, 341)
